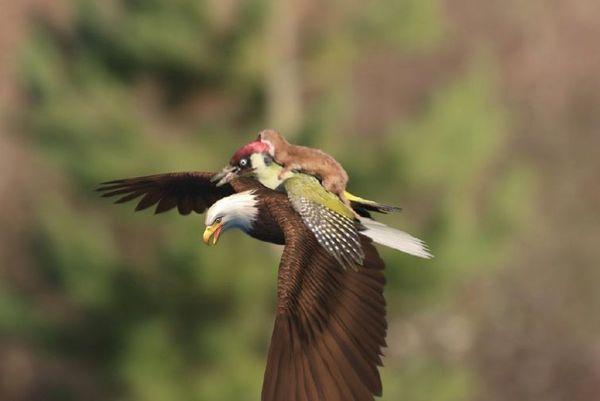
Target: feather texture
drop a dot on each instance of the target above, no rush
(336, 233)
(393, 238)
(188, 192)
(330, 220)
(330, 325)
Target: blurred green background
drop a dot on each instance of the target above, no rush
(480, 119)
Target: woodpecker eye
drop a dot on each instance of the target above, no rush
(243, 163)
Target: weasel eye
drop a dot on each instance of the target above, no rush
(243, 162)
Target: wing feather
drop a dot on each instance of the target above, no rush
(330, 325)
(189, 191)
(333, 223)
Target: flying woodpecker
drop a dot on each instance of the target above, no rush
(335, 225)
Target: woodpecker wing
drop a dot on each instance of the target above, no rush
(188, 191)
(332, 222)
(330, 325)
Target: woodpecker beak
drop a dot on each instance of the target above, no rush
(226, 175)
(212, 231)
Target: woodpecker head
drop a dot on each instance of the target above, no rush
(235, 211)
(241, 162)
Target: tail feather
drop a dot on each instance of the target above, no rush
(364, 206)
(395, 239)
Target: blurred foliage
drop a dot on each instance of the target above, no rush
(133, 306)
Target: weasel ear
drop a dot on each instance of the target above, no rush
(269, 147)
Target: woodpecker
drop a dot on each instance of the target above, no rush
(335, 225)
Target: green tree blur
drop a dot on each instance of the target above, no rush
(116, 305)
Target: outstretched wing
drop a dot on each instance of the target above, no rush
(330, 325)
(189, 191)
(329, 219)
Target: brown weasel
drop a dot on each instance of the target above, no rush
(308, 160)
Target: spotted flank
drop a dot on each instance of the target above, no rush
(336, 233)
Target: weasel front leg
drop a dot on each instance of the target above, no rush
(287, 168)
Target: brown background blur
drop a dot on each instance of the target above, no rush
(480, 119)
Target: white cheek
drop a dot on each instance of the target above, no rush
(257, 160)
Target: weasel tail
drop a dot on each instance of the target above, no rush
(396, 239)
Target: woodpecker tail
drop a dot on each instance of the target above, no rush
(396, 239)
(364, 206)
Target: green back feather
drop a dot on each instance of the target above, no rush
(298, 185)
(331, 221)
(302, 185)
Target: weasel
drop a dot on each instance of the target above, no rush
(307, 160)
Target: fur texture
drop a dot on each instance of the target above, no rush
(308, 160)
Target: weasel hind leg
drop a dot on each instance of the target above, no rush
(336, 186)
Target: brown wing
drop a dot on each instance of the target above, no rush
(190, 191)
(330, 325)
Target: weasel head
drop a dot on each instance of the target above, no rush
(273, 140)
